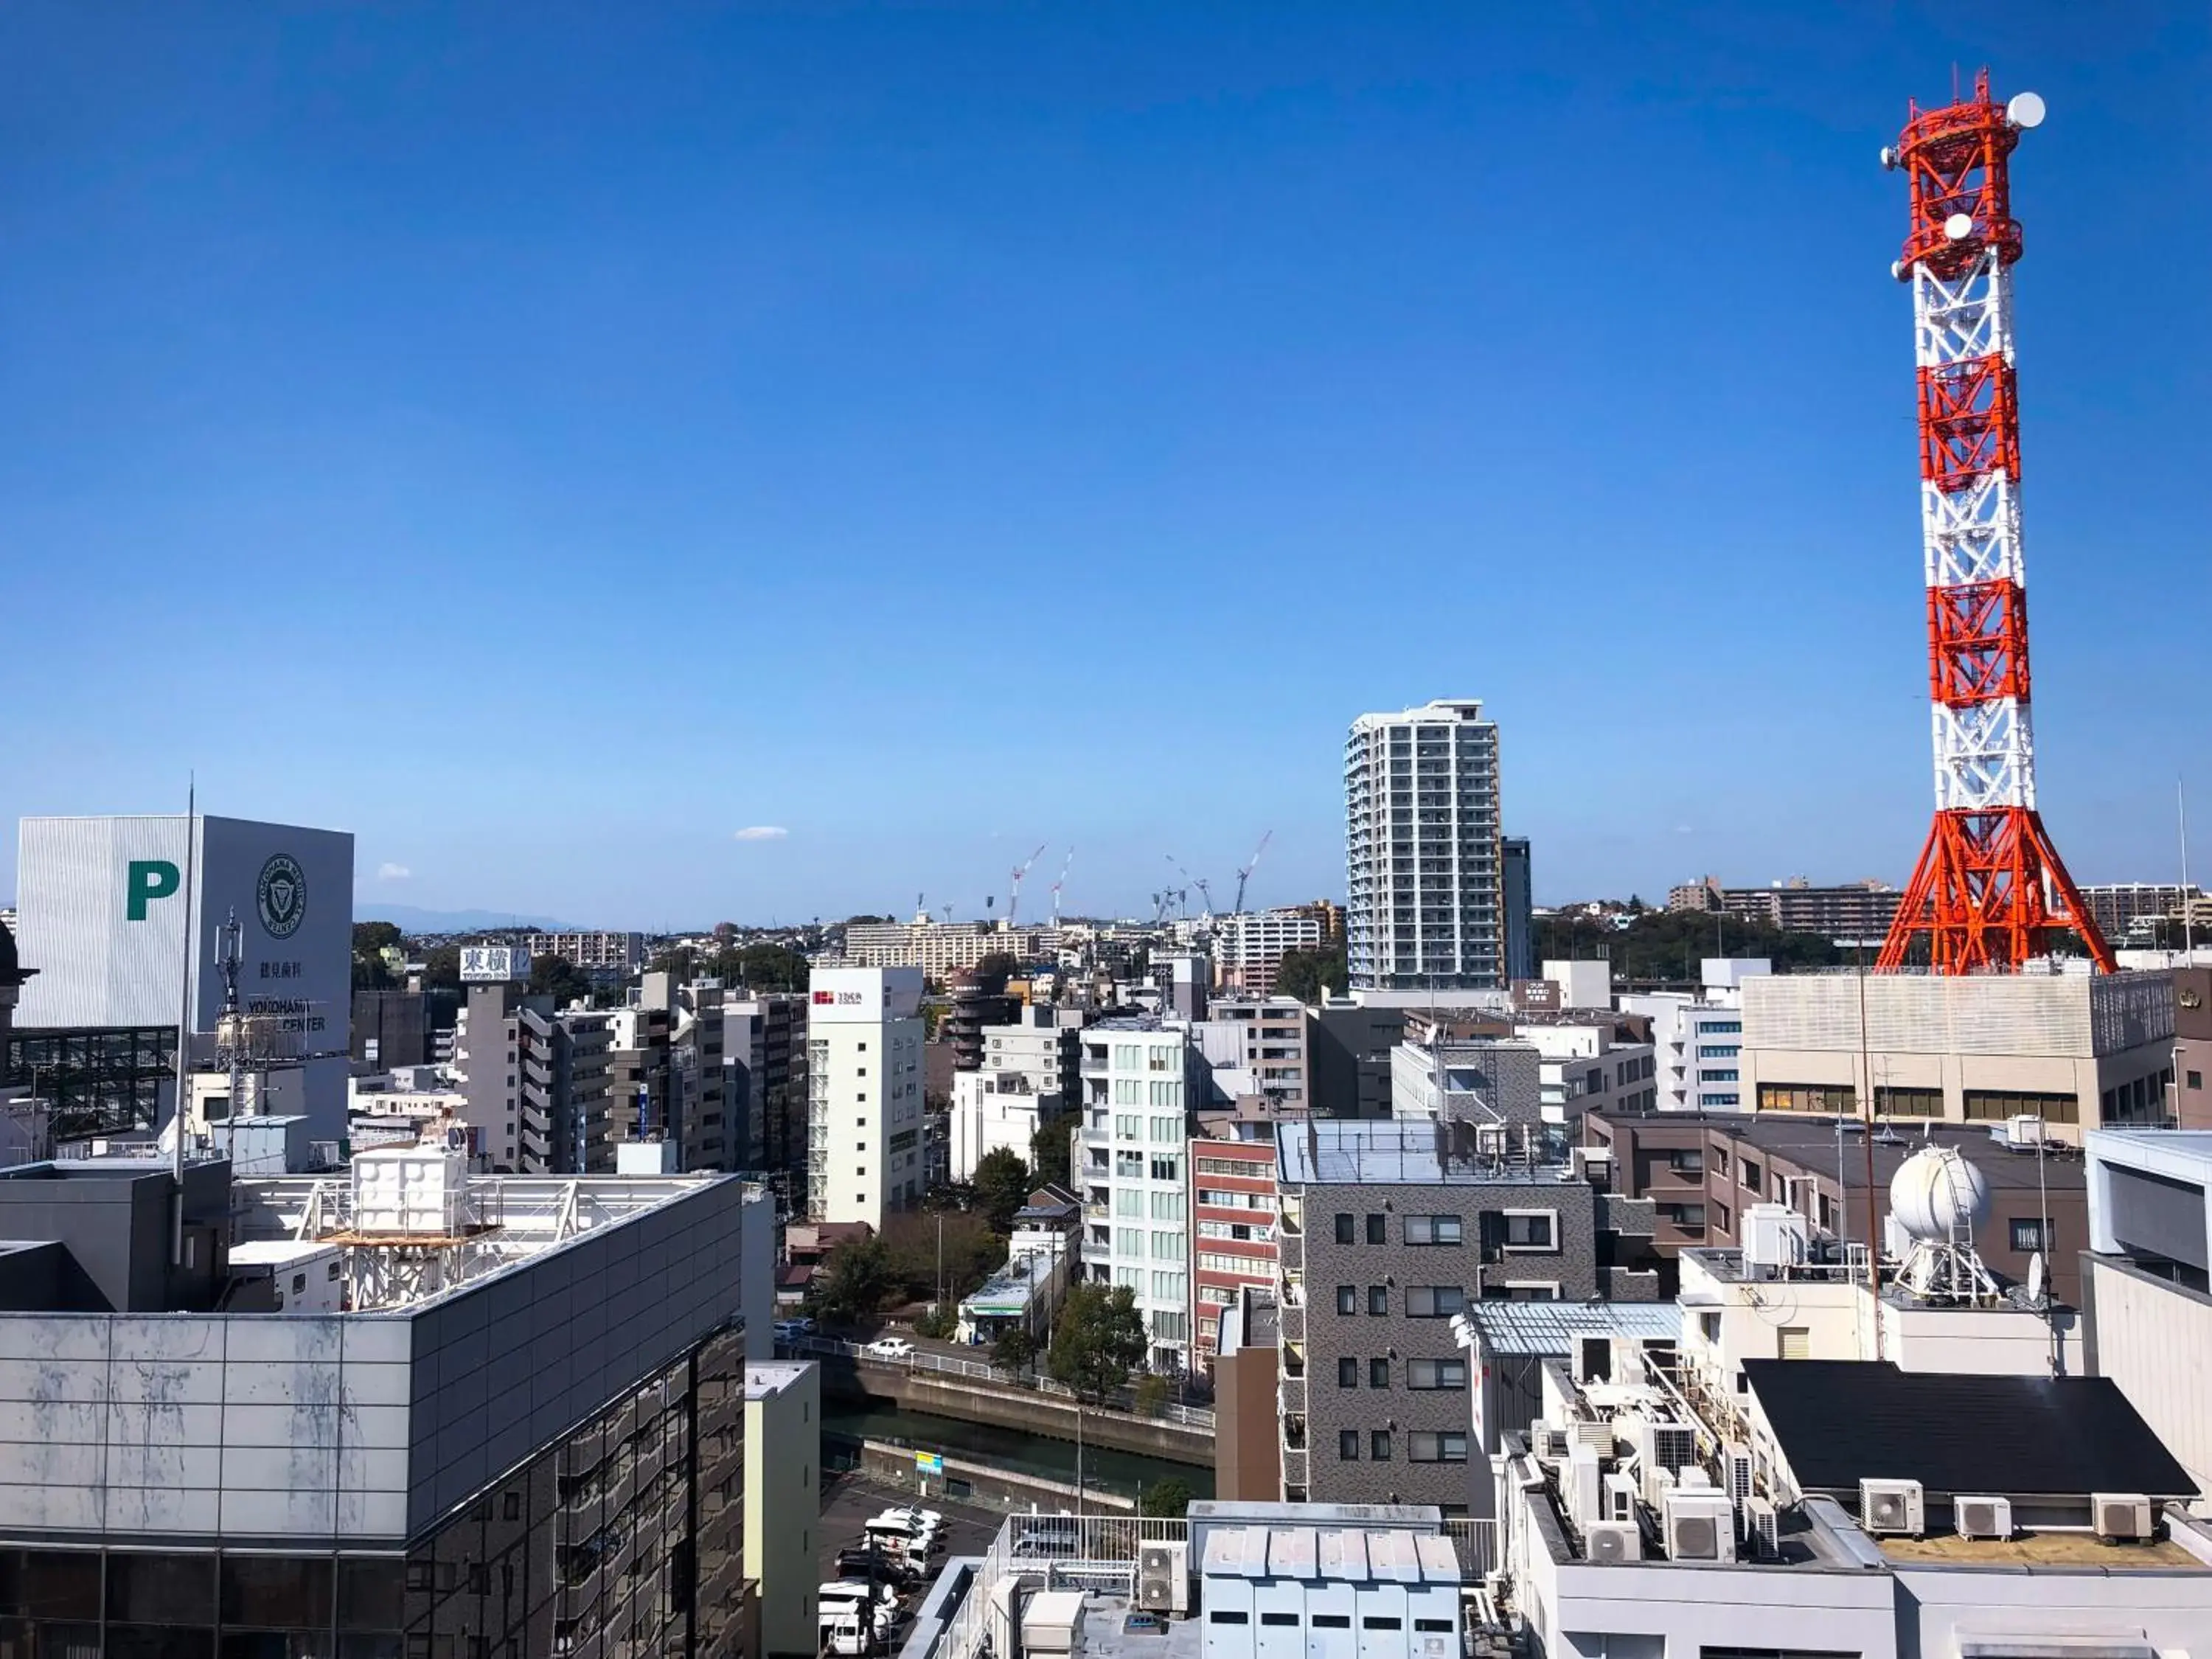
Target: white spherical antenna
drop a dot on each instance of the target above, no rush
(2035, 1277)
(2026, 110)
(1897, 268)
(1959, 227)
(1888, 159)
(1936, 1191)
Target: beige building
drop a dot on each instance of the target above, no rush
(2080, 1051)
(782, 1500)
(939, 948)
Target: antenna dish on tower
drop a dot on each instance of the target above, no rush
(1959, 227)
(2025, 110)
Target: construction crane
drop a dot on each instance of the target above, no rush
(1014, 892)
(1062, 883)
(1206, 893)
(1245, 874)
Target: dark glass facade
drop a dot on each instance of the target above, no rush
(623, 1541)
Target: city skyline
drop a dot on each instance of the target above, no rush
(715, 399)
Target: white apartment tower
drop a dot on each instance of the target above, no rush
(1423, 863)
(1140, 1076)
(863, 1033)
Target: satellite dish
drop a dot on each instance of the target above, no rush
(1888, 159)
(2026, 110)
(1959, 227)
(1897, 268)
(2035, 1274)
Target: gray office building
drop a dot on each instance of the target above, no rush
(403, 1411)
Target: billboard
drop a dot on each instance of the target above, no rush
(856, 996)
(489, 963)
(102, 915)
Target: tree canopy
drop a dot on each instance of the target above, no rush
(1668, 945)
(441, 967)
(854, 1281)
(1049, 1155)
(1310, 976)
(1167, 1499)
(1099, 1340)
(1002, 1185)
(559, 978)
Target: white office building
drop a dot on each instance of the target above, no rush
(1140, 1077)
(1247, 948)
(1018, 1087)
(1697, 1041)
(864, 1034)
(1424, 869)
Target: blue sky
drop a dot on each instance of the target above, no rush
(547, 440)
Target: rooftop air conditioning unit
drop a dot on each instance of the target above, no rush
(2026, 1129)
(1581, 1486)
(1657, 1483)
(1620, 1496)
(1598, 1437)
(1672, 1445)
(1546, 1440)
(2121, 1515)
(1892, 1508)
(1700, 1527)
(1762, 1528)
(1613, 1541)
(1735, 1470)
(1981, 1517)
(1774, 1236)
(1164, 1578)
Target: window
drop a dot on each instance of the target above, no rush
(1347, 1445)
(1125, 1126)
(1166, 1131)
(1686, 1160)
(1378, 1446)
(2193, 1079)
(1167, 1169)
(1161, 1060)
(1378, 1373)
(2027, 1234)
(1436, 1374)
(1167, 1287)
(1753, 1177)
(1167, 1206)
(1128, 1201)
(1717, 1074)
(1422, 1446)
(1521, 1289)
(1344, 1233)
(1434, 1301)
(1994, 1105)
(1432, 1230)
(1718, 1050)
(1168, 1247)
(1347, 1298)
(1378, 1229)
(1908, 1103)
(1720, 1163)
(1838, 1100)
(1721, 1217)
(1347, 1373)
(1165, 1094)
(1532, 1230)
(1378, 1301)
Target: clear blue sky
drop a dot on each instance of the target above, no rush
(545, 440)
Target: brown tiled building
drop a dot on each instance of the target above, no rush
(1701, 1173)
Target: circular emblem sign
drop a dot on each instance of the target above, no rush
(282, 895)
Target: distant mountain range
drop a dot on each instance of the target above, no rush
(411, 919)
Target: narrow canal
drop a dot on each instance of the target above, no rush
(1104, 1469)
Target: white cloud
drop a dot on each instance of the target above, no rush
(393, 872)
(763, 832)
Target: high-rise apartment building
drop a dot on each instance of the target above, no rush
(1520, 909)
(1424, 869)
(864, 1038)
(614, 954)
(1247, 948)
(537, 1082)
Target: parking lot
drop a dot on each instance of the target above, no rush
(850, 1501)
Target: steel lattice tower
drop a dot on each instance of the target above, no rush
(1990, 890)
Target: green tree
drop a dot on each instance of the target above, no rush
(937, 1322)
(1002, 1187)
(371, 937)
(1168, 1500)
(1310, 976)
(911, 1242)
(1099, 1340)
(855, 1280)
(559, 978)
(1015, 1352)
(680, 960)
(764, 968)
(1049, 1155)
(999, 965)
(441, 967)
(1153, 1392)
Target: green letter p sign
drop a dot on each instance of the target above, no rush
(150, 880)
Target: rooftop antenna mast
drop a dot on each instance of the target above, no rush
(1990, 891)
(183, 1031)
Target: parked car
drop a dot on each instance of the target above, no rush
(789, 1330)
(878, 1566)
(889, 1347)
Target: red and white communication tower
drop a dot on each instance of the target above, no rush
(1990, 892)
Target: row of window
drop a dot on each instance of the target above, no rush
(1518, 1230)
(1422, 1446)
(1422, 1375)
(1979, 1105)
(1422, 1300)
(1330, 1620)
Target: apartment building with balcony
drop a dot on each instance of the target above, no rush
(1386, 1231)
(1141, 1077)
(537, 1081)
(602, 955)
(1266, 1039)
(1697, 1038)
(1233, 1214)
(1425, 867)
(1249, 948)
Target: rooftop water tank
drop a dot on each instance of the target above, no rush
(1936, 1191)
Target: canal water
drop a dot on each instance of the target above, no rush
(1103, 1468)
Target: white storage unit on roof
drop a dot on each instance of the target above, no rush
(419, 1191)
